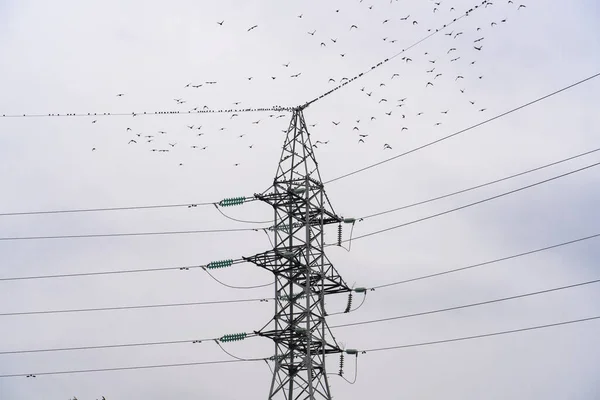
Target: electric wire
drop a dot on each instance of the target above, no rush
(137, 307)
(239, 220)
(473, 203)
(539, 99)
(470, 305)
(480, 185)
(228, 353)
(497, 260)
(129, 368)
(355, 372)
(148, 113)
(531, 328)
(102, 235)
(376, 66)
(237, 287)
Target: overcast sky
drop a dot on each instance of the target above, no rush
(75, 57)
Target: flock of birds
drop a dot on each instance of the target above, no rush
(462, 50)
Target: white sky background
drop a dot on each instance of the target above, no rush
(74, 57)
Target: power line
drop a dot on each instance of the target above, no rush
(464, 130)
(148, 113)
(575, 321)
(124, 208)
(108, 346)
(481, 303)
(136, 367)
(539, 250)
(138, 307)
(99, 235)
(376, 66)
(474, 203)
(480, 185)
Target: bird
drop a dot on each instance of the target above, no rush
(478, 48)
(333, 40)
(373, 118)
(458, 34)
(355, 128)
(335, 123)
(273, 77)
(382, 100)
(405, 18)
(94, 121)
(388, 113)
(403, 129)
(252, 27)
(256, 122)
(414, 23)
(93, 149)
(472, 102)
(428, 84)
(319, 142)
(132, 141)
(128, 129)
(431, 70)
(482, 110)
(521, 6)
(459, 77)
(455, 59)
(445, 112)
(190, 126)
(342, 55)
(393, 76)
(296, 75)
(478, 40)
(242, 135)
(286, 65)
(331, 80)
(387, 146)
(363, 135)
(361, 141)
(300, 16)
(172, 144)
(251, 146)
(353, 26)
(419, 114)
(386, 21)
(493, 24)
(221, 23)
(323, 44)
(312, 33)
(452, 49)
(437, 124)
(120, 94)
(437, 76)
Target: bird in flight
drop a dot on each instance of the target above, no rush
(405, 18)
(387, 146)
(335, 123)
(132, 141)
(478, 48)
(286, 65)
(437, 76)
(395, 75)
(521, 6)
(256, 122)
(296, 75)
(312, 33)
(252, 27)
(221, 23)
(172, 144)
(120, 94)
(459, 77)
(353, 26)
(429, 84)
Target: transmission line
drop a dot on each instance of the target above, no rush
(99, 235)
(480, 185)
(539, 250)
(481, 303)
(146, 207)
(136, 367)
(575, 321)
(473, 204)
(138, 307)
(148, 113)
(374, 67)
(464, 130)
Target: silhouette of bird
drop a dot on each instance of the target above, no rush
(252, 27)
(312, 33)
(415, 23)
(94, 121)
(388, 113)
(353, 26)
(128, 129)
(387, 146)
(286, 65)
(331, 80)
(437, 76)
(478, 48)
(132, 141)
(478, 40)
(437, 124)
(403, 129)
(172, 144)
(483, 109)
(382, 100)
(221, 23)
(431, 70)
(333, 40)
(445, 112)
(296, 75)
(428, 84)
(335, 123)
(405, 18)
(455, 59)
(256, 122)
(120, 94)
(190, 126)
(452, 49)
(459, 77)
(521, 6)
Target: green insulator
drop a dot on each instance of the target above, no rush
(232, 201)
(349, 220)
(360, 290)
(351, 351)
(233, 337)
(220, 264)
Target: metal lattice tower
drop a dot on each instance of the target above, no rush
(303, 274)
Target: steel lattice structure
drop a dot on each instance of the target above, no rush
(303, 274)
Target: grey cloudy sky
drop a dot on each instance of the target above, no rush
(74, 57)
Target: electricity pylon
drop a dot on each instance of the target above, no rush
(303, 274)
